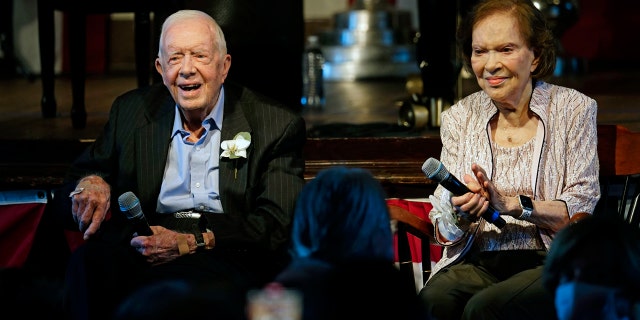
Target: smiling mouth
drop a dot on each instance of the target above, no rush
(494, 81)
(190, 87)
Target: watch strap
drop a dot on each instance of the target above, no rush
(197, 233)
(527, 207)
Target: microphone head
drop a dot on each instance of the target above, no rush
(434, 169)
(130, 205)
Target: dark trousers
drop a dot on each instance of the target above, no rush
(491, 285)
(101, 275)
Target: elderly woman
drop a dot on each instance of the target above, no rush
(526, 149)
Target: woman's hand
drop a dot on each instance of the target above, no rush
(473, 204)
(489, 191)
(470, 205)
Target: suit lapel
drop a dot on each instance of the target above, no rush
(152, 147)
(234, 121)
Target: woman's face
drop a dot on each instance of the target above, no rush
(500, 58)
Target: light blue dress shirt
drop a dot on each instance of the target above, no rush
(191, 174)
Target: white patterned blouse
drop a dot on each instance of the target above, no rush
(559, 163)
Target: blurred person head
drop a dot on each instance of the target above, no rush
(593, 269)
(193, 60)
(342, 215)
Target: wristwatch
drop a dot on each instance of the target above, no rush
(527, 207)
(197, 233)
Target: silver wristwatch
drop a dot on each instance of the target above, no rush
(527, 207)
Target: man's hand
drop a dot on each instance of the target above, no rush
(90, 203)
(161, 247)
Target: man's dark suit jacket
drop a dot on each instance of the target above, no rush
(258, 204)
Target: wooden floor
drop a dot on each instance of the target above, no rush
(21, 115)
(617, 92)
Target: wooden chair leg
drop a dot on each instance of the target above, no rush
(45, 40)
(142, 30)
(78, 58)
(404, 255)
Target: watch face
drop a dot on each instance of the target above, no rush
(527, 207)
(526, 203)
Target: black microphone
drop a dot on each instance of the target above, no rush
(435, 170)
(130, 205)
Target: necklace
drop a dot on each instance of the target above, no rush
(514, 134)
(507, 132)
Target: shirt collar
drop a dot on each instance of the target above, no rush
(212, 121)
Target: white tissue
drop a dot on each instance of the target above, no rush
(444, 216)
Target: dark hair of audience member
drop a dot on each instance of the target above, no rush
(600, 249)
(342, 250)
(342, 215)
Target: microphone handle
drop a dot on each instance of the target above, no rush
(142, 227)
(454, 185)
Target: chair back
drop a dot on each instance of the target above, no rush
(416, 249)
(619, 172)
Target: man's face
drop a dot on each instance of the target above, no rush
(192, 67)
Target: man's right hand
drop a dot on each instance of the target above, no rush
(89, 207)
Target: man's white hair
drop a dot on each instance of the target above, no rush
(184, 15)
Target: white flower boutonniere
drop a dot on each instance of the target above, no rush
(236, 148)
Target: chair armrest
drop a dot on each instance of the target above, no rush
(578, 216)
(415, 225)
